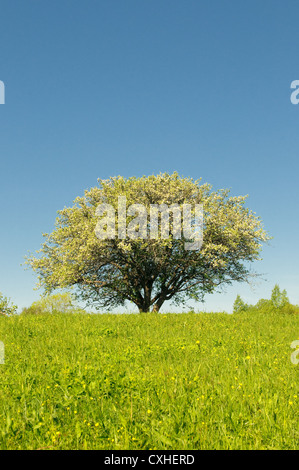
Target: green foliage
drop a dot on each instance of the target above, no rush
(239, 305)
(279, 302)
(279, 299)
(32, 310)
(148, 381)
(6, 306)
(148, 272)
(264, 306)
(289, 309)
(55, 303)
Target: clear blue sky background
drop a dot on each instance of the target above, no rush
(128, 87)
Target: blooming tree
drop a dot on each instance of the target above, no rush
(149, 271)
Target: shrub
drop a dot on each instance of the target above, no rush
(6, 306)
(290, 309)
(264, 306)
(32, 310)
(279, 303)
(50, 304)
(239, 305)
(279, 299)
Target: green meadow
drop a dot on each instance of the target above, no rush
(149, 381)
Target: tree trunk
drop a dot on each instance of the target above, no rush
(159, 304)
(144, 306)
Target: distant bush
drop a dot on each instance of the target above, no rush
(264, 306)
(51, 304)
(290, 309)
(278, 303)
(279, 299)
(240, 305)
(32, 310)
(6, 306)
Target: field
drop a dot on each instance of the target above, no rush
(149, 381)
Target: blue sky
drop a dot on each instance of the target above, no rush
(111, 87)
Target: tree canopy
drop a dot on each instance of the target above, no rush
(149, 271)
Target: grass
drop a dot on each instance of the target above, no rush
(149, 381)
